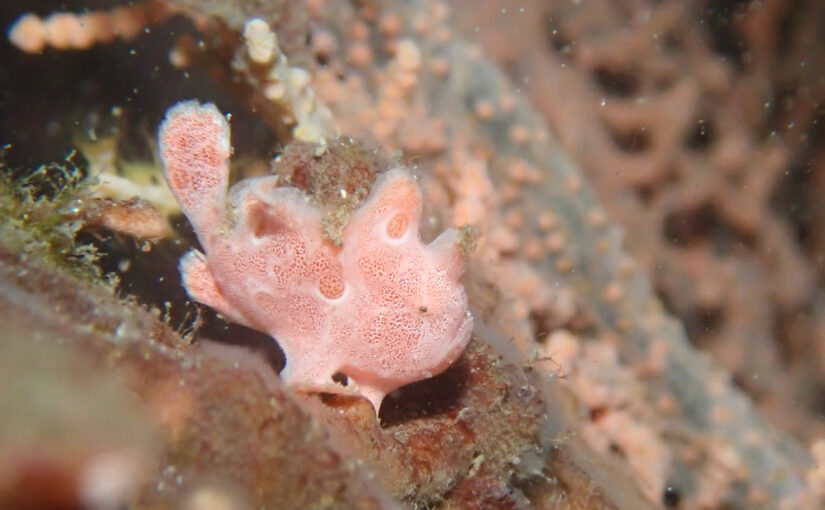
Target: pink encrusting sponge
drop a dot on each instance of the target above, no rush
(382, 308)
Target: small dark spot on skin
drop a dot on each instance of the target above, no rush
(340, 378)
(671, 497)
(422, 308)
(615, 448)
(597, 413)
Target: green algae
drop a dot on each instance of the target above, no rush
(40, 213)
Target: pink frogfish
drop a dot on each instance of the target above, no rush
(379, 307)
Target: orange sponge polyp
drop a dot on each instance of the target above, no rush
(384, 309)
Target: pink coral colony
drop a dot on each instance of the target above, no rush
(383, 309)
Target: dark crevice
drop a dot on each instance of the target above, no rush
(617, 82)
(701, 134)
(705, 224)
(632, 141)
(719, 17)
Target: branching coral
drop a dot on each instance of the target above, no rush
(69, 31)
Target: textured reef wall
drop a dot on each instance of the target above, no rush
(645, 306)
